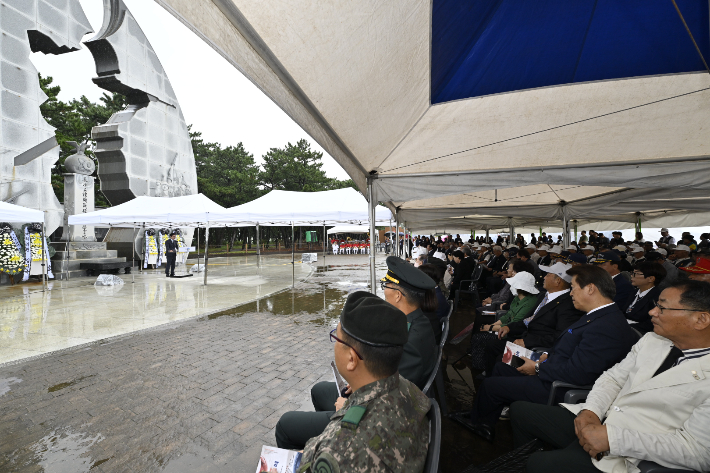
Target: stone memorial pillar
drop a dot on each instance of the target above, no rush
(78, 194)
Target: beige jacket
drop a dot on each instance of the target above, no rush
(665, 419)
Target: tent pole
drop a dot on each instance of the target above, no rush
(575, 230)
(258, 250)
(325, 243)
(390, 233)
(371, 207)
(133, 256)
(565, 229)
(511, 231)
(145, 241)
(44, 264)
(488, 232)
(207, 245)
(396, 233)
(293, 257)
(198, 250)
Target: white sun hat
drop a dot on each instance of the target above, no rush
(523, 281)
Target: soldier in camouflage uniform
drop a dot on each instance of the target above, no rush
(382, 426)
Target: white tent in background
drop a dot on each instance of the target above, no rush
(184, 211)
(282, 208)
(349, 229)
(18, 214)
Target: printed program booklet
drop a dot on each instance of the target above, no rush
(341, 385)
(513, 352)
(278, 460)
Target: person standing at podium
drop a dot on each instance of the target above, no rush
(171, 249)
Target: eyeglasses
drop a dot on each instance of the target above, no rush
(637, 274)
(383, 285)
(334, 339)
(661, 308)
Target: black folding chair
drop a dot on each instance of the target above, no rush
(472, 287)
(432, 456)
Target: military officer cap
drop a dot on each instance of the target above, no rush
(607, 256)
(373, 321)
(404, 274)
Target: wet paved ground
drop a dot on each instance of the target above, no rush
(76, 312)
(198, 395)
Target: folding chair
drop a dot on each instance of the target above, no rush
(472, 288)
(432, 456)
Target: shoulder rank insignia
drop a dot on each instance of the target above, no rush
(354, 415)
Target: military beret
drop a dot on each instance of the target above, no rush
(404, 274)
(373, 321)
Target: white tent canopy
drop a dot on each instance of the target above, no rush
(279, 208)
(349, 229)
(17, 214)
(363, 79)
(184, 211)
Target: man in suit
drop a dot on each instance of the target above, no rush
(494, 265)
(579, 356)
(646, 278)
(171, 249)
(609, 261)
(554, 314)
(463, 269)
(404, 287)
(654, 405)
(545, 258)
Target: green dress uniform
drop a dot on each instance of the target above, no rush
(381, 428)
(419, 355)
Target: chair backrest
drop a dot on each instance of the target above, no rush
(432, 455)
(476, 275)
(639, 334)
(445, 326)
(430, 381)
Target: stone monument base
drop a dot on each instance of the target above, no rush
(70, 255)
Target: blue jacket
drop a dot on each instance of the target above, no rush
(623, 290)
(588, 347)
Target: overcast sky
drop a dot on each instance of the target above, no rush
(216, 98)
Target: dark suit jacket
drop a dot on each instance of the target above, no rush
(623, 290)
(588, 347)
(548, 324)
(544, 260)
(462, 271)
(640, 311)
(420, 351)
(496, 263)
(172, 245)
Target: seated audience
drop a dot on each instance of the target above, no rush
(553, 314)
(382, 426)
(654, 405)
(700, 271)
(646, 278)
(681, 256)
(609, 261)
(584, 351)
(404, 288)
(465, 264)
(522, 286)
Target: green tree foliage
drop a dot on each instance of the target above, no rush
(74, 121)
(229, 176)
(296, 168)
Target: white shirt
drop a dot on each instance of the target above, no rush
(551, 296)
(600, 307)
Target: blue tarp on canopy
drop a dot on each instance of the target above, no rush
(482, 47)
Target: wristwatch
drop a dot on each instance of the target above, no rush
(537, 368)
